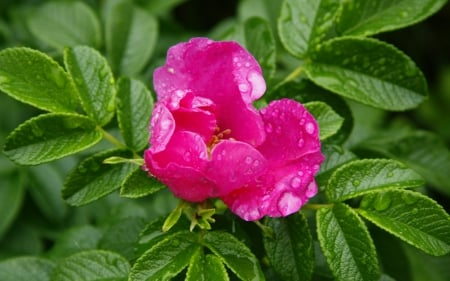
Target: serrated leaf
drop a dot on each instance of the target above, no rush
(368, 175)
(140, 184)
(234, 254)
(364, 18)
(329, 121)
(346, 244)
(303, 24)
(34, 78)
(92, 265)
(335, 156)
(129, 51)
(260, 42)
(411, 216)
(368, 71)
(291, 249)
(167, 258)
(26, 269)
(62, 24)
(50, 136)
(94, 80)
(92, 179)
(134, 108)
(206, 267)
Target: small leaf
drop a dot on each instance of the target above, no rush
(291, 249)
(335, 156)
(167, 258)
(206, 267)
(94, 81)
(346, 244)
(304, 24)
(12, 193)
(134, 108)
(139, 184)
(329, 121)
(26, 269)
(92, 179)
(368, 175)
(50, 136)
(412, 217)
(234, 254)
(364, 18)
(368, 71)
(34, 78)
(92, 265)
(62, 24)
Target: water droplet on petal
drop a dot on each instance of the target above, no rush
(295, 182)
(187, 156)
(301, 143)
(311, 190)
(256, 163)
(243, 87)
(248, 160)
(165, 124)
(289, 203)
(309, 127)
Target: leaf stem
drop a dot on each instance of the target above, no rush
(317, 206)
(111, 138)
(294, 74)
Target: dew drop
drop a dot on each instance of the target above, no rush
(301, 143)
(165, 124)
(414, 211)
(243, 87)
(248, 160)
(390, 174)
(309, 127)
(382, 203)
(311, 190)
(356, 183)
(256, 163)
(187, 156)
(295, 182)
(288, 203)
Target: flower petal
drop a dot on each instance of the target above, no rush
(162, 126)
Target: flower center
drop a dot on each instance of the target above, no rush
(217, 137)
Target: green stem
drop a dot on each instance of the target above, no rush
(294, 74)
(111, 139)
(267, 231)
(316, 206)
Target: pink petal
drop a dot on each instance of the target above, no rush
(162, 126)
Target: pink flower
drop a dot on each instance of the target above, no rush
(209, 141)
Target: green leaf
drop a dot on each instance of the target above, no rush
(167, 258)
(411, 216)
(139, 184)
(62, 24)
(94, 81)
(346, 244)
(206, 267)
(92, 179)
(304, 24)
(50, 136)
(26, 269)
(370, 175)
(329, 121)
(335, 156)
(134, 108)
(92, 265)
(368, 71)
(12, 193)
(260, 42)
(131, 34)
(364, 18)
(234, 254)
(291, 249)
(160, 7)
(34, 78)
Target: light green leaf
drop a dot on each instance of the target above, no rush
(167, 258)
(234, 254)
(346, 244)
(63, 24)
(291, 249)
(368, 175)
(260, 42)
(134, 108)
(34, 78)
(329, 121)
(94, 81)
(140, 184)
(26, 269)
(159, 7)
(206, 267)
(12, 193)
(304, 24)
(411, 216)
(92, 265)
(92, 179)
(364, 18)
(368, 71)
(335, 156)
(131, 35)
(50, 136)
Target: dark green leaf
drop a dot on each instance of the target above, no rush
(206, 267)
(291, 249)
(335, 156)
(362, 17)
(34, 78)
(94, 81)
(12, 192)
(234, 254)
(62, 24)
(304, 24)
(412, 217)
(425, 267)
(92, 179)
(368, 71)
(159, 7)
(139, 184)
(26, 269)
(370, 175)
(167, 258)
(92, 265)
(134, 108)
(346, 244)
(329, 121)
(50, 136)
